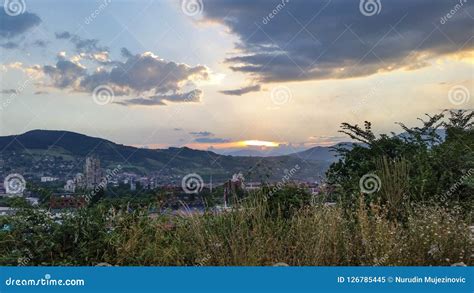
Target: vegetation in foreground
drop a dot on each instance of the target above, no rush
(416, 209)
(251, 235)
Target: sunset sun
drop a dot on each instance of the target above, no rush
(259, 143)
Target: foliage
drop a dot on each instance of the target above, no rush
(245, 235)
(285, 200)
(438, 155)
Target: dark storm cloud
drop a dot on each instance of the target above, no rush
(242, 91)
(319, 39)
(12, 26)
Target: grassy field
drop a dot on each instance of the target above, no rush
(316, 235)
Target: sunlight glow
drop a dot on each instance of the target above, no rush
(259, 143)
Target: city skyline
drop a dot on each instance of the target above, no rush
(231, 75)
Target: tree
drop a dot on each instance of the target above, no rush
(439, 156)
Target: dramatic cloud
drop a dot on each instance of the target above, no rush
(147, 72)
(65, 74)
(306, 40)
(242, 91)
(151, 79)
(192, 96)
(12, 26)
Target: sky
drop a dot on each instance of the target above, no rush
(274, 76)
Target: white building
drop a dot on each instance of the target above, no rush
(48, 179)
(70, 186)
(249, 186)
(6, 211)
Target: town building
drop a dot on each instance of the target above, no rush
(92, 172)
(67, 201)
(70, 186)
(48, 179)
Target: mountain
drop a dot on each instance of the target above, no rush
(62, 153)
(327, 154)
(320, 153)
(260, 151)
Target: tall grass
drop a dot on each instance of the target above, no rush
(314, 235)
